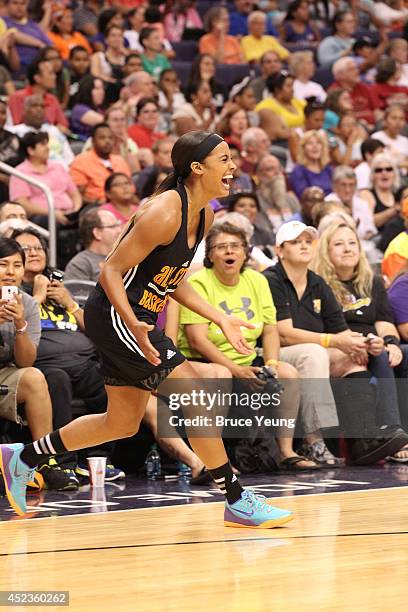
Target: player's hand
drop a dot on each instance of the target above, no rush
(231, 328)
(140, 331)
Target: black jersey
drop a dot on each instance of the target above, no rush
(149, 284)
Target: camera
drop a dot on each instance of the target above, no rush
(54, 275)
(4, 389)
(272, 384)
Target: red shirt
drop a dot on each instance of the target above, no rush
(53, 111)
(365, 101)
(383, 91)
(144, 137)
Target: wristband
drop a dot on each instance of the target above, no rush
(75, 308)
(325, 340)
(391, 340)
(272, 362)
(23, 329)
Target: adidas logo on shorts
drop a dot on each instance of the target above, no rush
(170, 354)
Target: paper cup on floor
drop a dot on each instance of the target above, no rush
(97, 467)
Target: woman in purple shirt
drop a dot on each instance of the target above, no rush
(313, 169)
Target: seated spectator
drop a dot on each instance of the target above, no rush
(270, 64)
(385, 88)
(396, 254)
(247, 204)
(217, 42)
(61, 90)
(63, 36)
(339, 45)
(344, 191)
(395, 143)
(161, 162)
(20, 331)
(257, 42)
(241, 181)
(67, 198)
(42, 79)
(29, 35)
(283, 103)
(90, 170)
(369, 148)
(239, 18)
(108, 65)
(13, 216)
(198, 113)
(34, 121)
(86, 18)
(9, 150)
(338, 103)
(145, 131)
(255, 144)
(366, 106)
(133, 63)
(232, 124)
(138, 85)
(181, 17)
(136, 21)
(108, 18)
(242, 95)
(203, 69)
(123, 145)
(228, 285)
(154, 61)
(120, 197)
(384, 181)
(302, 67)
(313, 168)
(365, 54)
(65, 355)
(78, 66)
(170, 95)
(88, 110)
(297, 28)
(398, 51)
(345, 147)
(99, 228)
(310, 198)
(318, 342)
(314, 120)
(276, 201)
(340, 260)
(153, 19)
(397, 296)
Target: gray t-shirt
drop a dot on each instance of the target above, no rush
(8, 334)
(84, 266)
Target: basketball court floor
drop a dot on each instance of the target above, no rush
(148, 546)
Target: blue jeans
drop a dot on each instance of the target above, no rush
(392, 406)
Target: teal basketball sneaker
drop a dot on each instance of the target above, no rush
(254, 511)
(16, 475)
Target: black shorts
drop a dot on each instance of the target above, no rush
(122, 360)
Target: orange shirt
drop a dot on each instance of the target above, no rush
(232, 49)
(88, 170)
(64, 45)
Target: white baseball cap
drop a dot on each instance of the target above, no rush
(292, 230)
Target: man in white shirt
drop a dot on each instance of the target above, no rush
(34, 121)
(369, 148)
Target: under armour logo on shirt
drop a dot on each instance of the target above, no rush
(246, 302)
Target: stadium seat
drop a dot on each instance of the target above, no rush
(227, 74)
(185, 50)
(183, 70)
(324, 76)
(79, 289)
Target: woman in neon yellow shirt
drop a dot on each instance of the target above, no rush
(283, 104)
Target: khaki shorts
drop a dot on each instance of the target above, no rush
(10, 376)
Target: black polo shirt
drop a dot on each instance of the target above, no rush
(317, 310)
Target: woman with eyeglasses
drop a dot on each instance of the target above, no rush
(120, 197)
(145, 129)
(384, 181)
(149, 262)
(228, 285)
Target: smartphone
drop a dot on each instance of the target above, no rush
(9, 292)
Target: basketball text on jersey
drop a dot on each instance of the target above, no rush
(167, 280)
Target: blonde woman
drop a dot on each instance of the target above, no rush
(313, 168)
(384, 182)
(341, 261)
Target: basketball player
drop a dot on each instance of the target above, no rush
(148, 262)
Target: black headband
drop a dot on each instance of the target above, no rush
(201, 151)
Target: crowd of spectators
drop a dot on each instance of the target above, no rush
(313, 100)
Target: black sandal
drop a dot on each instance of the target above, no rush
(291, 464)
